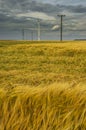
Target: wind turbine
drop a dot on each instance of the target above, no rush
(38, 29)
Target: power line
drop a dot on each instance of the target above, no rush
(39, 26)
(61, 27)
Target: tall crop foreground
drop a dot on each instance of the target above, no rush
(42, 85)
(53, 107)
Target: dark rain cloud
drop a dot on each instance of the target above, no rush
(25, 5)
(77, 9)
(10, 10)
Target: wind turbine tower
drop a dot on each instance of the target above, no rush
(39, 31)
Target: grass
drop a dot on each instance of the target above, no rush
(42, 85)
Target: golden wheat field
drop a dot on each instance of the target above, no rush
(42, 85)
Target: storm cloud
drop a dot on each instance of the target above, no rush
(18, 13)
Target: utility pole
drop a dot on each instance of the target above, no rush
(32, 35)
(22, 34)
(61, 26)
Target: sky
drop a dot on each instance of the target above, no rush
(19, 15)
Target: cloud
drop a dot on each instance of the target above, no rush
(56, 27)
(78, 9)
(38, 15)
(14, 12)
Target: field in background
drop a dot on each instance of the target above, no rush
(26, 63)
(42, 85)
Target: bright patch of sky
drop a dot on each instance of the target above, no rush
(65, 2)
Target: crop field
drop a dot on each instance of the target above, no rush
(42, 85)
